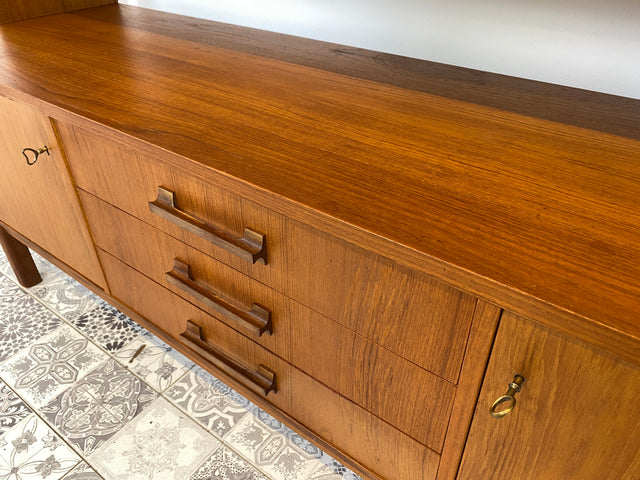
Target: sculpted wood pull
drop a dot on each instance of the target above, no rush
(508, 400)
(251, 246)
(258, 319)
(35, 153)
(263, 380)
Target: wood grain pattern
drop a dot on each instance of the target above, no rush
(39, 201)
(350, 364)
(334, 278)
(485, 320)
(251, 246)
(529, 214)
(332, 418)
(20, 260)
(256, 319)
(366, 186)
(576, 416)
(11, 11)
(261, 380)
(582, 108)
(100, 290)
(15, 10)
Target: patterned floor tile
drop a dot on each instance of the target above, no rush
(330, 469)
(282, 451)
(56, 361)
(268, 450)
(67, 298)
(225, 464)
(83, 472)
(108, 327)
(9, 291)
(22, 319)
(124, 429)
(161, 443)
(157, 363)
(98, 406)
(208, 400)
(12, 408)
(30, 450)
(278, 450)
(59, 291)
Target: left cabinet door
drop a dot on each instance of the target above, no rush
(39, 201)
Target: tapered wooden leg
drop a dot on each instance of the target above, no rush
(20, 260)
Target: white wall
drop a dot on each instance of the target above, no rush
(591, 44)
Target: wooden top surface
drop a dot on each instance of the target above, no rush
(527, 211)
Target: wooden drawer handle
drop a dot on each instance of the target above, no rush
(258, 319)
(263, 380)
(251, 246)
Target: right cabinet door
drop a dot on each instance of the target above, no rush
(577, 415)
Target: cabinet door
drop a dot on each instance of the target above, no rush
(576, 417)
(39, 201)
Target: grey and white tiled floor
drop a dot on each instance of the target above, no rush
(74, 404)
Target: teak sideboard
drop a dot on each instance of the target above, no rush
(372, 248)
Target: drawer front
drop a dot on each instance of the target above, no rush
(336, 420)
(387, 385)
(410, 313)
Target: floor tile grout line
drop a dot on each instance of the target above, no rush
(119, 361)
(59, 275)
(61, 316)
(38, 417)
(112, 356)
(143, 333)
(125, 364)
(56, 313)
(35, 412)
(76, 449)
(71, 472)
(222, 441)
(250, 411)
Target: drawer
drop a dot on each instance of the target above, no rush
(331, 417)
(380, 381)
(408, 312)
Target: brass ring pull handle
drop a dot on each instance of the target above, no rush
(507, 402)
(262, 380)
(258, 319)
(251, 246)
(36, 154)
